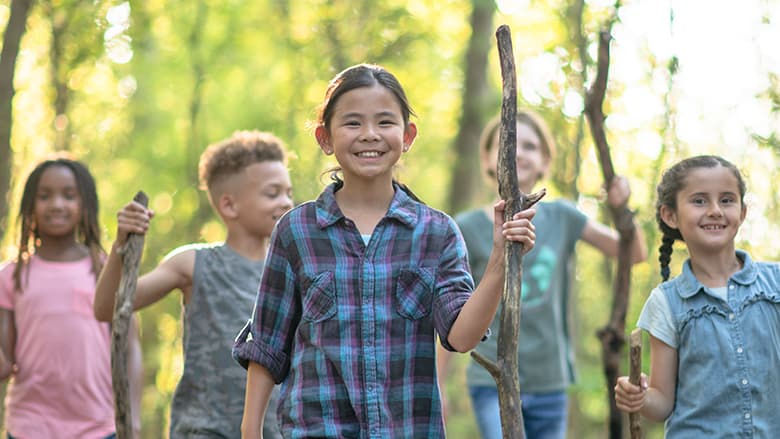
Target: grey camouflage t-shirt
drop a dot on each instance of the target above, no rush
(209, 399)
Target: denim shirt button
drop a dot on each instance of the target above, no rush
(739, 350)
(731, 287)
(744, 382)
(747, 415)
(731, 316)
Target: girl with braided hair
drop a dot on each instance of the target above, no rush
(715, 328)
(56, 355)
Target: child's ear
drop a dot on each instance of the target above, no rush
(410, 133)
(227, 206)
(323, 139)
(668, 216)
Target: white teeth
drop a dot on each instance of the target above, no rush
(368, 154)
(712, 227)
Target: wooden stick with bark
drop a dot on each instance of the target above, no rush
(505, 369)
(123, 310)
(612, 336)
(635, 359)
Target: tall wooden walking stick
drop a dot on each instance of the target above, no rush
(505, 369)
(123, 310)
(635, 357)
(612, 336)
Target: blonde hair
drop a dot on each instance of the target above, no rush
(526, 117)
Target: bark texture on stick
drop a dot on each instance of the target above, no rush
(635, 359)
(505, 369)
(120, 329)
(612, 336)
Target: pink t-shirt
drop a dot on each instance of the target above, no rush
(62, 388)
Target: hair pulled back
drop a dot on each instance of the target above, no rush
(672, 182)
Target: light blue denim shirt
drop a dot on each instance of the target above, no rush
(728, 380)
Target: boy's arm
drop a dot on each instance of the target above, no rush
(478, 312)
(174, 272)
(259, 385)
(7, 343)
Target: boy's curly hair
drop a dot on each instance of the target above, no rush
(234, 154)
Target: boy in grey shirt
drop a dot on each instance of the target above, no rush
(249, 187)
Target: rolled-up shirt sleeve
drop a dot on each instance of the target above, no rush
(454, 284)
(267, 338)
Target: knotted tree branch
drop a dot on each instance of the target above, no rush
(612, 336)
(120, 328)
(505, 369)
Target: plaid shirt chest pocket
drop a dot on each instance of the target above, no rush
(319, 297)
(414, 292)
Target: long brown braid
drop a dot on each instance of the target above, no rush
(88, 230)
(672, 182)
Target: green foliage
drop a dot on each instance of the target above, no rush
(151, 84)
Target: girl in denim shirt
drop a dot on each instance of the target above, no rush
(358, 283)
(714, 329)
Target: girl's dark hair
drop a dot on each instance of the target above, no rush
(361, 75)
(88, 230)
(357, 76)
(672, 182)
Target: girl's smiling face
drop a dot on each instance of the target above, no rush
(530, 158)
(367, 133)
(709, 209)
(58, 205)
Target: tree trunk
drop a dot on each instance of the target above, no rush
(17, 22)
(476, 105)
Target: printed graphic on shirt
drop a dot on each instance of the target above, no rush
(536, 283)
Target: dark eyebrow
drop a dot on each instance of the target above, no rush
(380, 114)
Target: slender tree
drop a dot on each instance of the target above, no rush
(477, 103)
(17, 22)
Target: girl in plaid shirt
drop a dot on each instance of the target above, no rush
(358, 283)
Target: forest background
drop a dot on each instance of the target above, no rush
(138, 89)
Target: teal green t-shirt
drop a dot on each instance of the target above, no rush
(546, 360)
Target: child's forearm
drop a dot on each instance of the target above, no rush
(478, 312)
(638, 246)
(657, 406)
(107, 285)
(259, 385)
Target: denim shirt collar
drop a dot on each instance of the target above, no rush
(688, 285)
(402, 207)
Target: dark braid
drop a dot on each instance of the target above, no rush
(672, 182)
(88, 230)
